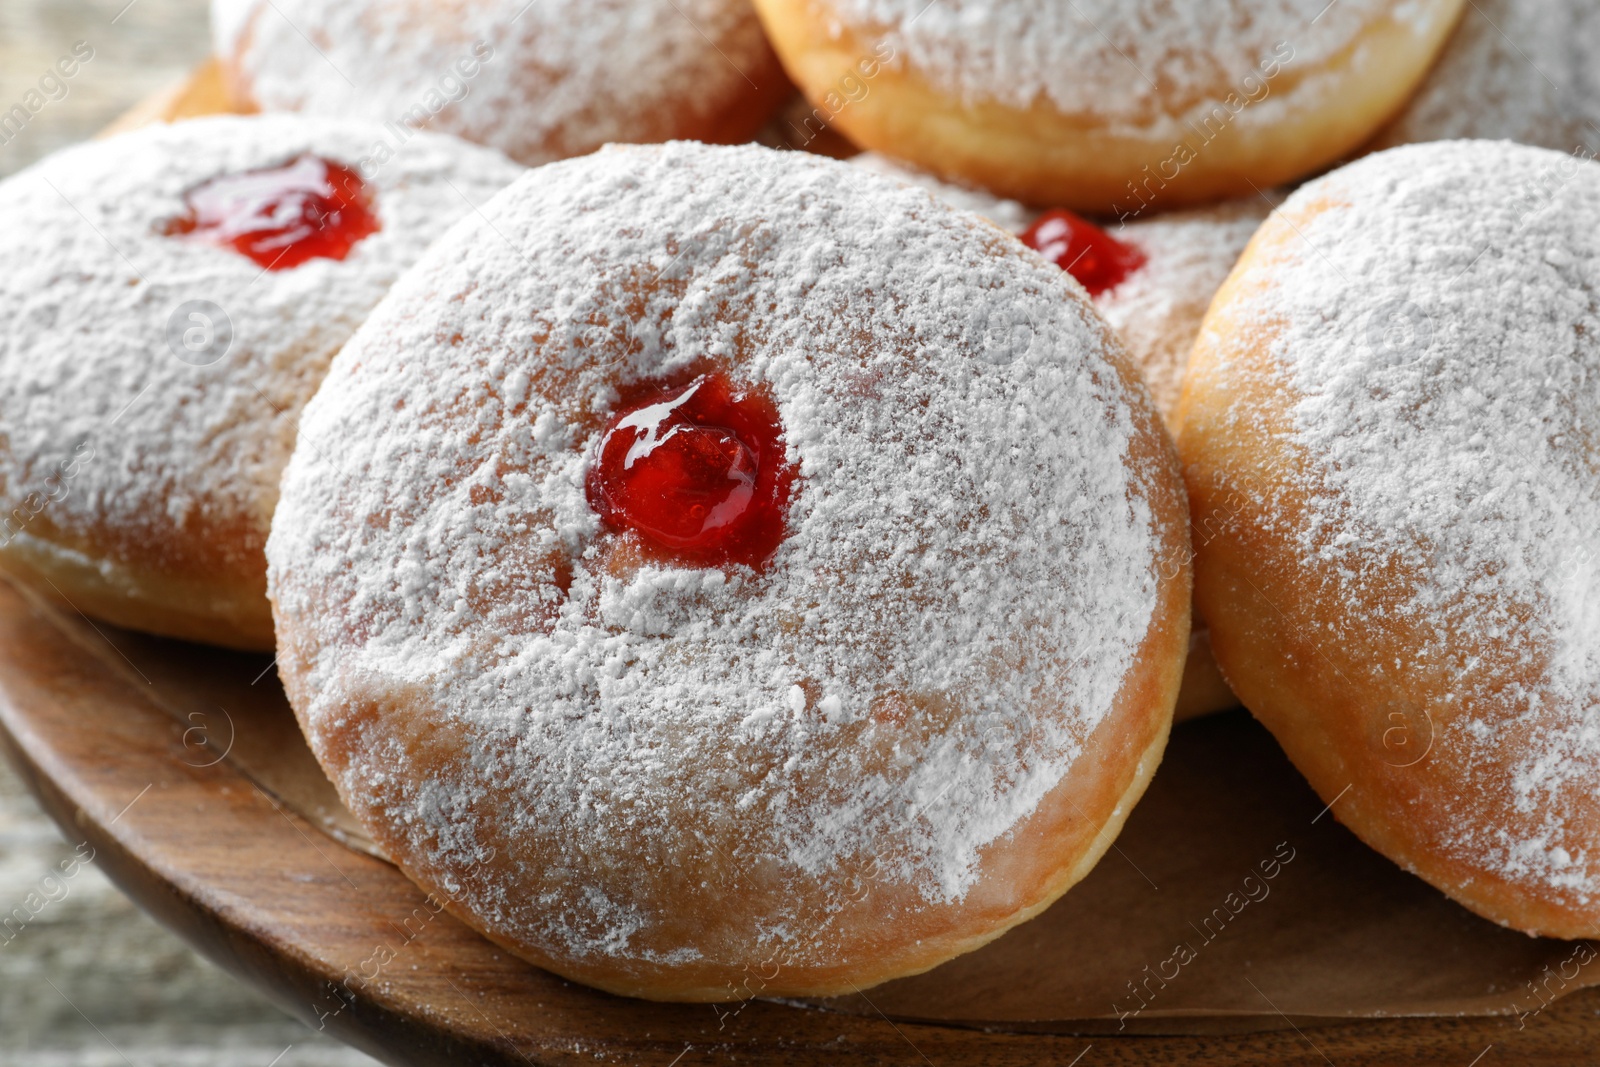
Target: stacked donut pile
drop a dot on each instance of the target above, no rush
(692, 558)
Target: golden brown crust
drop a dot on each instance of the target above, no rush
(1041, 156)
(1360, 734)
(1205, 691)
(214, 590)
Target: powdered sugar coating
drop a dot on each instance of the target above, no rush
(90, 300)
(1158, 309)
(1128, 64)
(1518, 70)
(1009, 215)
(539, 81)
(1439, 335)
(970, 569)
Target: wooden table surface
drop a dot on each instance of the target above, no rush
(93, 981)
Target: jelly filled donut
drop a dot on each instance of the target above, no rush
(1110, 106)
(539, 81)
(740, 574)
(170, 301)
(1394, 409)
(1516, 70)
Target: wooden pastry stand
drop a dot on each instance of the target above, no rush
(343, 941)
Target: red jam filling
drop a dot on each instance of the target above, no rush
(1098, 260)
(280, 217)
(697, 471)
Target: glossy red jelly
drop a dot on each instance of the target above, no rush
(280, 217)
(697, 471)
(1098, 260)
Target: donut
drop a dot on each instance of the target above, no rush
(714, 595)
(169, 302)
(1110, 106)
(539, 81)
(1515, 71)
(1392, 414)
